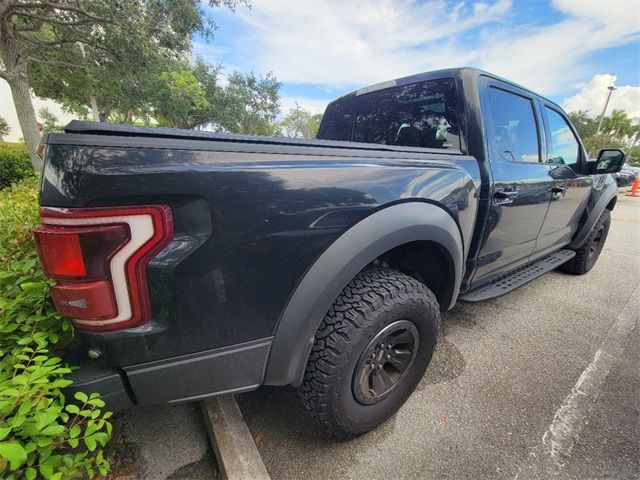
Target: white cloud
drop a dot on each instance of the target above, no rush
(550, 59)
(347, 43)
(592, 95)
(364, 42)
(8, 111)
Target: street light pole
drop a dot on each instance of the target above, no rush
(611, 88)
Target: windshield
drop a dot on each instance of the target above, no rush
(421, 114)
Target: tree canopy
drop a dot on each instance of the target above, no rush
(73, 49)
(247, 103)
(49, 121)
(301, 123)
(178, 99)
(618, 131)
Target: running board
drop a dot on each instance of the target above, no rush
(518, 277)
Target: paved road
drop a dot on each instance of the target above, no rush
(557, 359)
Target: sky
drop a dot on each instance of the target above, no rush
(567, 50)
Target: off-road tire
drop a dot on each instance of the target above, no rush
(588, 253)
(373, 300)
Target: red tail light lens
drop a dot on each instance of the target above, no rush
(60, 253)
(93, 301)
(99, 257)
(79, 252)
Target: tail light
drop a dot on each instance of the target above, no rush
(99, 258)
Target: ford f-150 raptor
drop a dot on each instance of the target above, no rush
(196, 263)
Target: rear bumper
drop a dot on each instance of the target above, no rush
(234, 369)
(109, 382)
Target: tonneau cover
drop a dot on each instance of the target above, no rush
(108, 129)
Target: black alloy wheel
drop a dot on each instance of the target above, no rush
(384, 362)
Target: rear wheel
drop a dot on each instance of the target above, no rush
(370, 352)
(588, 253)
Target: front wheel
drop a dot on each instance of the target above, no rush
(370, 352)
(588, 253)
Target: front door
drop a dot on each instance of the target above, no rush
(521, 181)
(571, 189)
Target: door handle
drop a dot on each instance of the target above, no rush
(504, 197)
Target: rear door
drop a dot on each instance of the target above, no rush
(521, 182)
(566, 159)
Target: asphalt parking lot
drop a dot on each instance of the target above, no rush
(506, 375)
(541, 382)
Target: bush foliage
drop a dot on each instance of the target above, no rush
(14, 163)
(41, 436)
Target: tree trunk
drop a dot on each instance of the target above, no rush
(94, 108)
(14, 71)
(23, 103)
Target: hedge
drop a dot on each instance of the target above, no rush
(41, 435)
(14, 163)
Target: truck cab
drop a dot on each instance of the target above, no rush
(537, 178)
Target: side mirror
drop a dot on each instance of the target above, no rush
(610, 160)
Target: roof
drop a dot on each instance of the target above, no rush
(433, 75)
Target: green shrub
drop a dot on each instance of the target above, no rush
(18, 218)
(40, 435)
(14, 163)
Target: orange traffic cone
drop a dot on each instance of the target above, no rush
(635, 187)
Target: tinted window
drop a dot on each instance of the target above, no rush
(563, 146)
(514, 135)
(418, 115)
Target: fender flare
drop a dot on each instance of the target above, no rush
(344, 259)
(609, 193)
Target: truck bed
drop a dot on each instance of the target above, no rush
(251, 216)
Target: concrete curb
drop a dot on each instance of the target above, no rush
(237, 454)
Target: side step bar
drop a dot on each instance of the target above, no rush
(518, 277)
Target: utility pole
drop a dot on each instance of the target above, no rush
(610, 89)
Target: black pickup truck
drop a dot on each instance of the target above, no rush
(197, 263)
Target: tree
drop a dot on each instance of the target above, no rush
(248, 104)
(301, 123)
(83, 40)
(49, 121)
(122, 87)
(179, 100)
(208, 77)
(618, 131)
(4, 128)
(585, 125)
(196, 97)
(619, 125)
(595, 143)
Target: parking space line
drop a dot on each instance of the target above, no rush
(559, 439)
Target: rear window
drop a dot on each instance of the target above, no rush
(421, 114)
